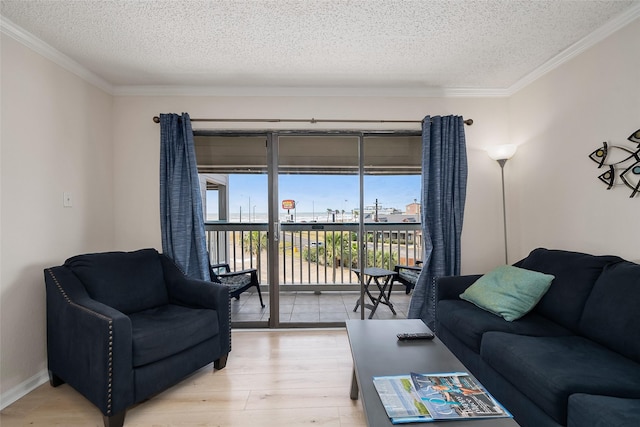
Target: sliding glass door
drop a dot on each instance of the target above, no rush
(307, 209)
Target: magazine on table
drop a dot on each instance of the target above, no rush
(436, 397)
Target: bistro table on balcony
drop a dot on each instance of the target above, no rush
(382, 279)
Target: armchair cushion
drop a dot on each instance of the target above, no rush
(127, 281)
(166, 330)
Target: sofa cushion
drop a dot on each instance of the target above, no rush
(166, 330)
(507, 291)
(550, 369)
(575, 273)
(470, 323)
(126, 281)
(612, 312)
(603, 411)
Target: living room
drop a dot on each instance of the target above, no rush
(68, 132)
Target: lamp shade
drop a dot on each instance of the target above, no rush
(502, 152)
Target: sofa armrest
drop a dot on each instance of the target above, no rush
(450, 287)
(89, 344)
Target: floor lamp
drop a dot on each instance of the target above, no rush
(501, 154)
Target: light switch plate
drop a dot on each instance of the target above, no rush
(67, 202)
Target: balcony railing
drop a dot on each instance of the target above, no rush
(314, 255)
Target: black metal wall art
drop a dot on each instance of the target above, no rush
(616, 158)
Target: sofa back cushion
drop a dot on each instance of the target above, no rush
(127, 281)
(575, 273)
(612, 312)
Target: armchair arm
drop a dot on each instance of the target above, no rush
(89, 344)
(450, 287)
(199, 293)
(191, 292)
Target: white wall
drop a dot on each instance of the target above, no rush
(137, 138)
(56, 137)
(554, 194)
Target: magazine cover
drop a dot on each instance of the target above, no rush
(456, 395)
(400, 399)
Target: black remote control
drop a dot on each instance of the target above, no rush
(416, 336)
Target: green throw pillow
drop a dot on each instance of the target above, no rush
(508, 291)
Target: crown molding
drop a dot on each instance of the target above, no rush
(19, 34)
(14, 31)
(577, 48)
(283, 91)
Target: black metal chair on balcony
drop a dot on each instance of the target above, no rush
(407, 275)
(237, 281)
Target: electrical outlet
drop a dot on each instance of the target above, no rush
(67, 202)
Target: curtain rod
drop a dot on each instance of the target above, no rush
(156, 119)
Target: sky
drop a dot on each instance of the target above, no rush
(317, 193)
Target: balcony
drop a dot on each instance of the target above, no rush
(316, 262)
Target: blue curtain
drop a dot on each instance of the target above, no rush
(181, 216)
(444, 184)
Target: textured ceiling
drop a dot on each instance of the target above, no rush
(313, 44)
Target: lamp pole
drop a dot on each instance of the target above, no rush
(501, 154)
(502, 162)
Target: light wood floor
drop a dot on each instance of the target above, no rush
(272, 378)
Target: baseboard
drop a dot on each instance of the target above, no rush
(22, 389)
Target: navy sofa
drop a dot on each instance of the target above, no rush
(123, 326)
(574, 360)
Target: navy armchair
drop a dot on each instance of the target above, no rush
(124, 326)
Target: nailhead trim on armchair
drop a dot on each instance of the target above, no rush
(110, 322)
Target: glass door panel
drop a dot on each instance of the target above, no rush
(233, 170)
(392, 211)
(318, 188)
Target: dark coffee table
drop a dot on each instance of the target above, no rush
(376, 351)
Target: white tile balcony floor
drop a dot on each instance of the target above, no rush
(308, 307)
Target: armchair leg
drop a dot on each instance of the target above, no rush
(116, 420)
(221, 362)
(55, 380)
